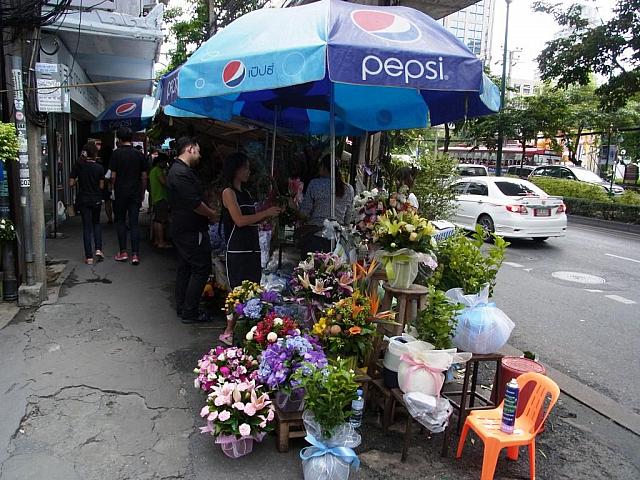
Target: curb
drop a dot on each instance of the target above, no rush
(587, 396)
(605, 224)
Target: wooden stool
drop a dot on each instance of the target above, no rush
(288, 425)
(469, 395)
(378, 276)
(410, 301)
(397, 396)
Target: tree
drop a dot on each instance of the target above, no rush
(191, 25)
(611, 49)
(434, 185)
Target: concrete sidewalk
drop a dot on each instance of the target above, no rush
(98, 384)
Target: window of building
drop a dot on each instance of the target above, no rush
(526, 89)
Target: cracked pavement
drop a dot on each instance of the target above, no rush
(98, 384)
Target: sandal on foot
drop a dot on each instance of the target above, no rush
(226, 338)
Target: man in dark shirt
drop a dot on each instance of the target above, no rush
(190, 218)
(89, 176)
(129, 178)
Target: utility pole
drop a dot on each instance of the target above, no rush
(33, 290)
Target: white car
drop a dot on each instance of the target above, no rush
(509, 207)
(472, 170)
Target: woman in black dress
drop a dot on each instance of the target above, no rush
(240, 222)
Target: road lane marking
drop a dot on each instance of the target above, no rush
(578, 277)
(622, 258)
(620, 299)
(594, 290)
(513, 264)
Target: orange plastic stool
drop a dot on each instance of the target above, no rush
(486, 424)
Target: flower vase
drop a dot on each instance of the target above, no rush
(234, 447)
(290, 402)
(404, 271)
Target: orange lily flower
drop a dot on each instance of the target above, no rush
(355, 330)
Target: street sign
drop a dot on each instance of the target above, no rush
(631, 174)
(48, 81)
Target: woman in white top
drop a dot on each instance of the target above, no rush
(316, 206)
(407, 179)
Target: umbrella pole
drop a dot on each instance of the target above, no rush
(332, 133)
(273, 141)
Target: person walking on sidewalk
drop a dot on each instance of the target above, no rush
(89, 175)
(240, 221)
(190, 218)
(129, 179)
(158, 192)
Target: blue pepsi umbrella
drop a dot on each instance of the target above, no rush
(382, 67)
(135, 113)
(334, 67)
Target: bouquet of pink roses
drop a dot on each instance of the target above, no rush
(221, 365)
(237, 412)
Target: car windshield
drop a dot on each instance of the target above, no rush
(472, 171)
(517, 189)
(586, 176)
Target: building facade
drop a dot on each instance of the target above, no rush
(474, 26)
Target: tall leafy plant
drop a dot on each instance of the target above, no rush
(329, 392)
(462, 262)
(437, 323)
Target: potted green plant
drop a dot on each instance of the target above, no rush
(463, 264)
(436, 324)
(329, 392)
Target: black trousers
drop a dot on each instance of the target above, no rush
(91, 228)
(123, 207)
(194, 268)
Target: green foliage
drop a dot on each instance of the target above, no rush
(570, 188)
(610, 210)
(190, 26)
(328, 393)
(462, 262)
(629, 197)
(434, 185)
(8, 142)
(610, 49)
(437, 323)
(7, 230)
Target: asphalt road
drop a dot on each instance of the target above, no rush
(589, 331)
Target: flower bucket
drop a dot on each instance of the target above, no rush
(290, 402)
(235, 447)
(402, 265)
(404, 272)
(329, 458)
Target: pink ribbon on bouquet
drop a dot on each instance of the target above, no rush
(415, 366)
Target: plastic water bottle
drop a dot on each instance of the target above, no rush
(510, 407)
(357, 409)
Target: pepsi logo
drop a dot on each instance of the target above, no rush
(233, 73)
(385, 25)
(125, 109)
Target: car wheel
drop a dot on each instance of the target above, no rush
(486, 223)
(540, 239)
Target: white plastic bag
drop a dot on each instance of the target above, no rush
(329, 458)
(422, 368)
(430, 411)
(482, 327)
(397, 347)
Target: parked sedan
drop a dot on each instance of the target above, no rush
(509, 207)
(576, 173)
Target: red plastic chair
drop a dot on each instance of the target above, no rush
(486, 424)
